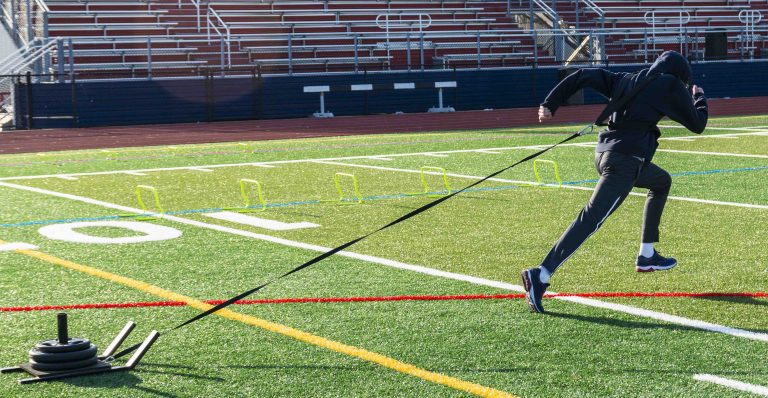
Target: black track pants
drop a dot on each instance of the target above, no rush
(618, 174)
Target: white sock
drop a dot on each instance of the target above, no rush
(544, 275)
(646, 249)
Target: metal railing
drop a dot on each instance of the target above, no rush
(422, 21)
(667, 18)
(214, 21)
(26, 19)
(198, 15)
(35, 56)
(750, 18)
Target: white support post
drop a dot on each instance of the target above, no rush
(440, 107)
(322, 90)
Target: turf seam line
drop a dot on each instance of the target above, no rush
(319, 300)
(288, 331)
(566, 186)
(365, 198)
(641, 312)
(751, 133)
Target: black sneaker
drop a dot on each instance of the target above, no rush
(657, 262)
(534, 289)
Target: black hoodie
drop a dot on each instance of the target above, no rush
(633, 131)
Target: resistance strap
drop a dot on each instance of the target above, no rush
(613, 106)
(587, 130)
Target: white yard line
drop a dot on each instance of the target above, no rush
(200, 169)
(660, 316)
(393, 155)
(736, 385)
(66, 177)
(436, 155)
(580, 188)
(134, 173)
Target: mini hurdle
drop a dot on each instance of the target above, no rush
(554, 165)
(247, 203)
(142, 204)
(441, 170)
(324, 113)
(342, 200)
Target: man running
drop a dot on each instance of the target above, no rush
(623, 157)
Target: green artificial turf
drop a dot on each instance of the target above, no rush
(491, 232)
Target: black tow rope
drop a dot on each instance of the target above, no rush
(586, 130)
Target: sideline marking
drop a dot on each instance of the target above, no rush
(13, 246)
(736, 385)
(66, 177)
(565, 186)
(693, 323)
(353, 351)
(324, 300)
(134, 173)
(200, 169)
(272, 163)
(259, 222)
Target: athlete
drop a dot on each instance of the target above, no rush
(623, 156)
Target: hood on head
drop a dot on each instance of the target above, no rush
(671, 62)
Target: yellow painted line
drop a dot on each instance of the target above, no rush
(277, 328)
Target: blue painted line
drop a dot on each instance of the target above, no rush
(705, 172)
(63, 221)
(685, 173)
(367, 198)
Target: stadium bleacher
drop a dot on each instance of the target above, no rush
(292, 36)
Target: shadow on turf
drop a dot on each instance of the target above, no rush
(738, 300)
(117, 380)
(742, 301)
(131, 380)
(307, 367)
(620, 322)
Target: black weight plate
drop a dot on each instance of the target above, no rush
(73, 344)
(56, 357)
(63, 365)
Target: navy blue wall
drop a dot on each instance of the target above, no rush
(86, 104)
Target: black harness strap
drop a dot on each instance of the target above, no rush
(618, 104)
(337, 249)
(613, 106)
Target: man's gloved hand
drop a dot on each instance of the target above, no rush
(545, 114)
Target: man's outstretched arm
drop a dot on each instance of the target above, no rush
(600, 80)
(690, 112)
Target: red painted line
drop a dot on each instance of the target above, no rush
(389, 298)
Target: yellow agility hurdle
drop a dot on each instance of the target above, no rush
(342, 200)
(554, 165)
